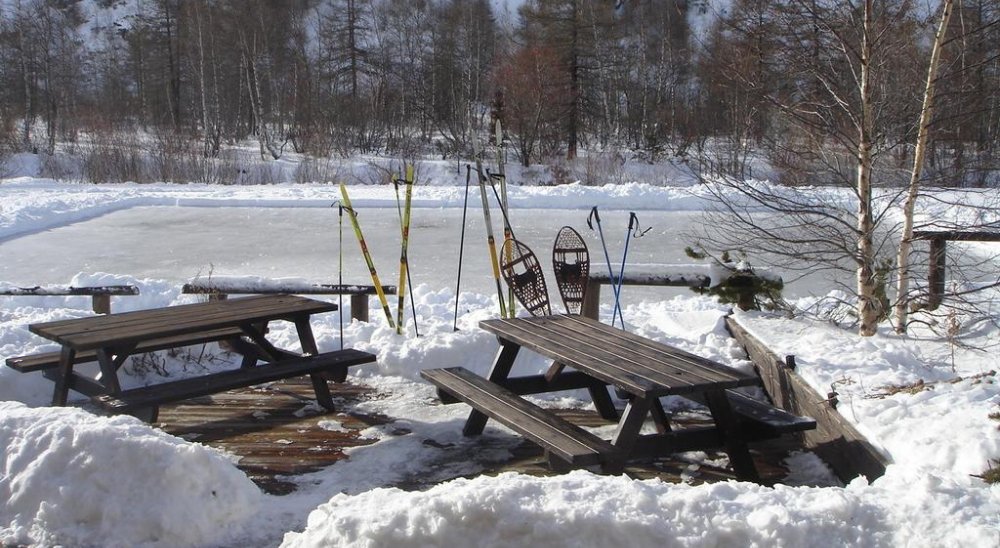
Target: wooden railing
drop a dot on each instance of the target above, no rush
(939, 257)
(592, 297)
(100, 295)
(221, 289)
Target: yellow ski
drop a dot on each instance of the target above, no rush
(367, 255)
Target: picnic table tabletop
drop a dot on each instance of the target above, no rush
(131, 327)
(641, 366)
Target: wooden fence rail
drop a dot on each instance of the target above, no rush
(221, 289)
(100, 295)
(939, 257)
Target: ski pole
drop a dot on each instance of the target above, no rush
(594, 216)
(461, 245)
(633, 224)
(367, 255)
(340, 266)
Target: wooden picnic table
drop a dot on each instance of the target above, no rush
(591, 355)
(242, 323)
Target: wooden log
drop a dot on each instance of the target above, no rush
(956, 235)
(221, 289)
(236, 287)
(835, 440)
(57, 290)
(653, 279)
(592, 295)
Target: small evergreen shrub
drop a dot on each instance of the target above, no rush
(742, 286)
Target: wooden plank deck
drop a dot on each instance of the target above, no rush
(262, 427)
(274, 431)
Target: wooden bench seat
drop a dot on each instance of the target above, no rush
(49, 360)
(762, 420)
(564, 440)
(144, 401)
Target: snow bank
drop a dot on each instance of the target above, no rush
(72, 478)
(33, 205)
(901, 392)
(582, 509)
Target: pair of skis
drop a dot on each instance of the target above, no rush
(484, 177)
(404, 214)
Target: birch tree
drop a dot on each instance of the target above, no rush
(901, 310)
(834, 59)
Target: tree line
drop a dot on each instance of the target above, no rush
(717, 83)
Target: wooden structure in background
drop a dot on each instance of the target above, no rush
(221, 289)
(939, 257)
(592, 296)
(99, 295)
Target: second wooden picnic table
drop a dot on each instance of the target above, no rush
(241, 323)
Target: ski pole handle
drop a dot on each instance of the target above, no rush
(633, 224)
(594, 216)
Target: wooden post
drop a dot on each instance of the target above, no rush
(101, 304)
(936, 272)
(591, 300)
(359, 307)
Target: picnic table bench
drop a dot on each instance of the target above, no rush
(589, 355)
(242, 323)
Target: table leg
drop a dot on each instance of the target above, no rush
(267, 350)
(502, 364)
(109, 370)
(636, 411)
(602, 401)
(61, 392)
(625, 438)
(734, 441)
(660, 417)
(306, 338)
(308, 342)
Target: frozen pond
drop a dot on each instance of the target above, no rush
(179, 243)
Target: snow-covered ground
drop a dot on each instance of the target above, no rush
(73, 478)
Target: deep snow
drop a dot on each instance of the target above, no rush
(132, 485)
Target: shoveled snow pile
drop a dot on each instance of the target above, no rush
(73, 478)
(582, 509)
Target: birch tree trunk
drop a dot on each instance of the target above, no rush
(901, 310)
(868, 305)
